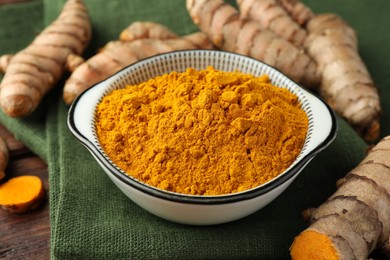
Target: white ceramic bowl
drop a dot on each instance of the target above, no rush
(190, 209)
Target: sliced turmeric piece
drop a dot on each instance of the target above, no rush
(21, 194)
(355, 220)
(307, 244)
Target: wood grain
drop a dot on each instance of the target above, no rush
(25, 236)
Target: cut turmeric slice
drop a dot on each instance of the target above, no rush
(21, 194)
(355, 220)
(311, 244)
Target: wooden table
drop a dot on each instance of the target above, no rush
(25, 236)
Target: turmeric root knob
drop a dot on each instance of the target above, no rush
(146, 30)
(229, 31)
(346, 82)
(311, 245)
(297, 10)
(138, 41)
(356, 218)
(21, 194)
(35, 70)
(270, 14)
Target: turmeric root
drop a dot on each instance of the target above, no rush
(144, 30)
(355, 220)
(273, 16)
(118, 54)
(4, 157)
(4, 61)
(21, 194)
(151, 30)
(298, 11)
(136, 30)
(346, 83)
(228, 31)
(32, 72)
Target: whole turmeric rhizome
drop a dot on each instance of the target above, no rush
(205, 132)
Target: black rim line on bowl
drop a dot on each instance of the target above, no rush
(199, 199)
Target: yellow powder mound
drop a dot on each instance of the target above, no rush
(204, 132)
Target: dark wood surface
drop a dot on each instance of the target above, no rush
(25, 236)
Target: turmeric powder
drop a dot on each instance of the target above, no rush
(205, 132)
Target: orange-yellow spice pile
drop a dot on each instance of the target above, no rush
(204, 132)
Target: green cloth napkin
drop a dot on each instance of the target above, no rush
(91, 219)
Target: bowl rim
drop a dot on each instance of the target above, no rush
(198, 199)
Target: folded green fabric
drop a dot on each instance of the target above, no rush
(91, 219)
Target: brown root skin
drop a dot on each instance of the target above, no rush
(22, 194)
(371, 132)
(4, 62)
(118, 54)
(346, 82)
(356, 218)
(271, 15)
(307, 214)
(200, 40)
(18, 105)
(386, 248)
(297, 10)
(228, 31)
(45, 59)
(146, 30)
(328, 23)
(73, 61)
(348, 208)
